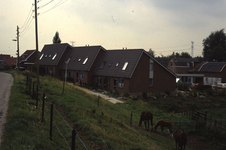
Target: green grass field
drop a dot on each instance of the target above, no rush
(106, 126)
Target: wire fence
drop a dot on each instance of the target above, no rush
(205, 118)
(51, 116)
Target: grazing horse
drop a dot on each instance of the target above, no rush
(146, 116)
(163, 124)
(180, 139)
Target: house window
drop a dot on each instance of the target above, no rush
(54, 56)
(120, 83)
(68, 60)
(81, 75)
(151, 73)
(150, 82)
(102, 65)
(109, 65)
(41, 57)
(99, 81)
(84, 62)
(151, 67)
(125, 65)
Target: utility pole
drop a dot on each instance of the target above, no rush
(36, 33)
(192, 48)
(18, 54)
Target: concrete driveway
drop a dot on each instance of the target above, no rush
(6, 81)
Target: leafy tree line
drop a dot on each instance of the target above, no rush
(214, 46)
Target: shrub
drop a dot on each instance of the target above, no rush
(145, 95)
(126, 94)
(167, 93)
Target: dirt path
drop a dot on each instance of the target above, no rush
(106, 97)
(6, 81)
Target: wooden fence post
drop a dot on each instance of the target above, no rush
(51, 123)
(30, 83)
(98, 99)
(73, 140)
(43, 106)
(33, 95)
(131, 118)
(37, 96)
(206, 116)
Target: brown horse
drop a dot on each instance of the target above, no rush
(180, 139)
(163, 124)
(146, 116)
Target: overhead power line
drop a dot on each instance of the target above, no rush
(176, 50)
(28, 18)
(45, 4)
(167, 47)
(53, 7)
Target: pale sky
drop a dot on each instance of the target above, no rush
(162, 25)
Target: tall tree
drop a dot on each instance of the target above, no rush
(56, 38)
(151, 52)
(214, 46)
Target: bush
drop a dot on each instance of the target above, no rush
(126, 94)
(145, 95)
(210, 92)
(167, 93)
(182, 86)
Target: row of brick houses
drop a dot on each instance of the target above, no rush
(191, 70)
(129, 70)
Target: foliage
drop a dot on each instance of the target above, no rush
(56, 38)
(144, 95)
(182, 86)
(126, 94)
(215, 46)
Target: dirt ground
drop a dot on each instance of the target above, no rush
(5, 88)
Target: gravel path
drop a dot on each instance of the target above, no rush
(106, 97)
(6, 81)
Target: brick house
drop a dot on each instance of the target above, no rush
(51, 59)
(7, 62)
(27, 59)
(133, 71)
(214, 72)
(184, 69)
(81, 63)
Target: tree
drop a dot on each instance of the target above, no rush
(214, 46)
(151, 52)
(185, 55)
(56, 38)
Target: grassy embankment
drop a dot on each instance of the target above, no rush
(104, 127)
